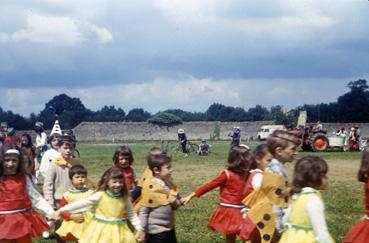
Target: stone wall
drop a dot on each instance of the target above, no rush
(119, 131)
(122, 131)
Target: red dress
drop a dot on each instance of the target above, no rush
(359, 233)
(14, 225)
(248, 228)
(227, 217)
(129, 176)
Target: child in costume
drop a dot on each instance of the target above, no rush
(159, 200)
(18, 221)
(283, 147)
(53, 152)
(359, 233)
(227, 218)
(123, 159)
(304, 219)
(75, 222)
(262, 158)
(146, 176)
(111, 201)
(57, 178)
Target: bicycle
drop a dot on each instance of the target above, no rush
(176, 147)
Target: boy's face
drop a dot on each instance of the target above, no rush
(66, 150)
(79, 181)
(123, 161)
(287, 154)
(164, 172)
(115, 185)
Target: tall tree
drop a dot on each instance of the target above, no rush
(354, 105)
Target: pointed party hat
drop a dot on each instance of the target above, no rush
(56, 128)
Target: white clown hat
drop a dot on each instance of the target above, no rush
(56, 128)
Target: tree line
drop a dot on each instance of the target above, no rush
(352, 106)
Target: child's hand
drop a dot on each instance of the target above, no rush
(55, 216)
(140, 235)
(185, 200)
(78, 218)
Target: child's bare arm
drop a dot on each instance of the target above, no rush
(185, 200)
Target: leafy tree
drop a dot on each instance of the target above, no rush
(14, 120)
(354, 105)
(257, 113)
(109, 113)
(186, 115)
(137, 115)
(70, 112)
(163, 118)
(219, 112)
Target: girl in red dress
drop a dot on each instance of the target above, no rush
(262, 158)
(123, 159)
(359, 233)
(18, 222)
(227, 217)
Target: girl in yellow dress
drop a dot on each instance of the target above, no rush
(112, 204)
(76, 221)
(305, 216)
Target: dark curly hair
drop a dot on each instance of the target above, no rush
(125, 151)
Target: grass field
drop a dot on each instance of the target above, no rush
(343, 197)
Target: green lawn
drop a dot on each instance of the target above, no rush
(343, 197)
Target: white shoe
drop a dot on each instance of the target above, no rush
(46, 234)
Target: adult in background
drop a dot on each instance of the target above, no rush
(182, 138)
(235, 134)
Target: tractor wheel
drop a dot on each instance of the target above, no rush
(319, 142)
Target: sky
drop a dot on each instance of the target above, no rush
(160, 54)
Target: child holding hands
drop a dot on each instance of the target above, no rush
(159, 200)
(75, 223)
(18, 221)
(111, 201)
(227, 218)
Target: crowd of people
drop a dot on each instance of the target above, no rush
(256, 202)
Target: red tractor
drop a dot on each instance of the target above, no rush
(312, 138)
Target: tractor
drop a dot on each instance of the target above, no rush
(314, 138)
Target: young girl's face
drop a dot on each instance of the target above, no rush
(123, 161)
(11, 163)
(55, 142)
(164, 172)
(79, 181)
(66, 150)
(264, 161)
(24, 140)
(116, 185)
